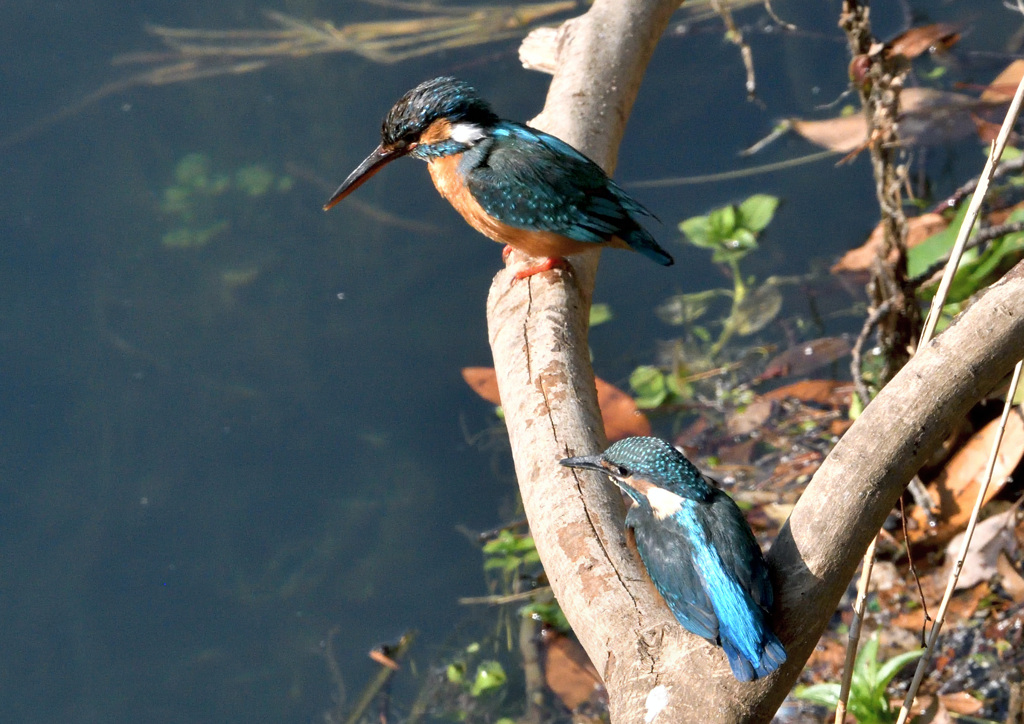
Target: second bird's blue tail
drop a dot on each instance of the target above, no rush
(772, 656)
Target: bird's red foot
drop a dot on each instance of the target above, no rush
(552, 262)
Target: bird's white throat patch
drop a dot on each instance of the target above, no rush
(663, 503)
(467, 133)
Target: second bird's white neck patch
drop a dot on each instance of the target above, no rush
(663, 503)
(467, 133)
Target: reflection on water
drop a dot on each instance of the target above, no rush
(232, 424)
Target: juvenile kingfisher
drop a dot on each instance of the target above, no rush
(513, 184)
(698, 550)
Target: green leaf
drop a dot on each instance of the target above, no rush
(687, 308)
(494, 563)
(936, 246)
(549, 612)
(649, 385)
(489, 676)
(891, 667)
(756, 212)
(456, 673)
(757, 309)
(722, 223)
(823, 694)
(600, 313)
(744, 239)
(697, 230)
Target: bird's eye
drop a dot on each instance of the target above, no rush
(619, 471)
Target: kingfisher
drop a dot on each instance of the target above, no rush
(698, 550)
(512, 183)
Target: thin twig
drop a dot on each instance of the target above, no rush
(502, 600)
(913, 569)
(858, 346)
(855, 626)
(972, 214)
(379, 681)
(933, 317)
(771, 13)
(735, 36)
(954, 575)
(1009, 166)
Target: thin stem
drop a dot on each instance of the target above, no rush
(855, 626)
(933, 635)
(972, 214)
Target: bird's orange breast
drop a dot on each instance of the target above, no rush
(445, 174)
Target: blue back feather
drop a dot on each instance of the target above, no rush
(531, 180)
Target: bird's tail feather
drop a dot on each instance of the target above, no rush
(772, 656)
(644, 243)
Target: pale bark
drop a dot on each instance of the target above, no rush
(538, 335)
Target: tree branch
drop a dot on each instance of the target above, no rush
(653, 669)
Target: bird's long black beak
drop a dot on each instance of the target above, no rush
(372, 164)
(587, 462)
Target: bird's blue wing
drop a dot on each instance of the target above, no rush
(531, 180)
(740, 552)
(752, 647)
(668, 556)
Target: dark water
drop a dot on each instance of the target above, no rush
(211, 455)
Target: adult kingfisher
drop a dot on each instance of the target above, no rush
(512, 183)
(698, 550)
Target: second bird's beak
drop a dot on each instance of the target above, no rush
(588, 462)
(373, 163)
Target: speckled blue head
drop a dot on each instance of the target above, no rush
(651, 460)
(441, 98)
(424, 123)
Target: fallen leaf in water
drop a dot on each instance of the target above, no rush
(957, 486)
(618, 410)
(484, 382)
(568, 671)
(924, 38)
(1005, 84)
(806, 357)
(859, 260)
(843, 134)
(829, 393)
(928, 117)
(757, 309)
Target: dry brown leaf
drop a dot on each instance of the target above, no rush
(806, 357)
(568, 671)
(924, 38)
(919, 109)
(961, 606)
(816, 392)
(618, 410)
(992, 537)
(1011, 579)
(919, 228)
(752, 417)
(956, 487)
(843, 135)
(961, 703)
(484, 382)
(620, 414)
(1001, 89)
